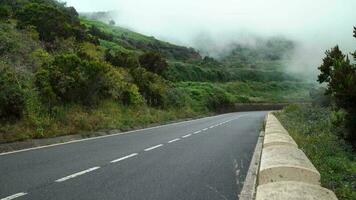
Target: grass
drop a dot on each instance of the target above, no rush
(315, 131)
(74, 119)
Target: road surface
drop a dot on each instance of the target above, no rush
(202, 159)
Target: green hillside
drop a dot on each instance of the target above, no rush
(63, 74)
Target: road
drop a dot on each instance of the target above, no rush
(204, 159)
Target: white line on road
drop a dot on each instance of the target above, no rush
(196, 132)
(14, 196)
(76, 174)
(212, 126)
(154, 147)
(125, 157)
(110, 135)
(205, 129)
(175, 140)
(187, 136)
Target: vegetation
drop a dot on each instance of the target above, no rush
(62, 74)
(340, 76)
(317, 131)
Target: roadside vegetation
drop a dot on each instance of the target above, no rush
(64, 74)
(319, 133)
(326, 130)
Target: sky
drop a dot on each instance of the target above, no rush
(315, 25)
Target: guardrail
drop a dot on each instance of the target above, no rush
(285, 171)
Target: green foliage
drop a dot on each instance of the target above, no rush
(93, 30)
(208, 96)
(71, 79)
(150, 85)
(17, 48)
(316, 132)
(153, 62)
(340, 75)
(121, 59)
(45, 18)
(11, 94)
(5, 12)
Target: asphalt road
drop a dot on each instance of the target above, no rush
(203, 159)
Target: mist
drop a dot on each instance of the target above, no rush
(212, 26)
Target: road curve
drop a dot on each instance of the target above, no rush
(203, 159)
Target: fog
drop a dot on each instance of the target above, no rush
(213, 25)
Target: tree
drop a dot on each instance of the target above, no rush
(12, 100)
(50, 22)
(153, 62)
(340, 76)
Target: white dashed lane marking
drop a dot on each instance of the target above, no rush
(175, 140)
(187, 136)
(14, 196)
(125, 157)
(154, 147)
(196, 132)
(76, 174)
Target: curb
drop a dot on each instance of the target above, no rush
(248, 191)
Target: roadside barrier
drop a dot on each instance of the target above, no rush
(285, 171)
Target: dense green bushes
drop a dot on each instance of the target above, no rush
(71, 79)
(50, 22)
(153, 62)
(11, 94)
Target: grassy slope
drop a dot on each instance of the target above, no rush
(313, 130)
(71, 119)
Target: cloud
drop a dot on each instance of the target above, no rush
(316, 25)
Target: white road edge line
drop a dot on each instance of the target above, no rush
(154, 147)
(187, 136)
(110, 135)
(14, 196)
(76, 174)
(123, 158)
(175, 140)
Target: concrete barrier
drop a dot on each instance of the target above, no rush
(286, 163)
(279, 139)
(285, 171)
(289, 190)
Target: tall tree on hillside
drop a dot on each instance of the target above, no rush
(340, 75)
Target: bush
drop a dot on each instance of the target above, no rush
(121, 59)
(153, 62)
(150, 85)
(177, 98)
(5, 12)
(11, 94)
(50, 21)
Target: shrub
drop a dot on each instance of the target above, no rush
(121, 59)
(5, 12)
(153, 62)
(150, 85)
(95, 31)
(11, 94)
(71, 79)
(50, 21)
(177, 98)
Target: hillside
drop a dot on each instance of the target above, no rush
(64, 74)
